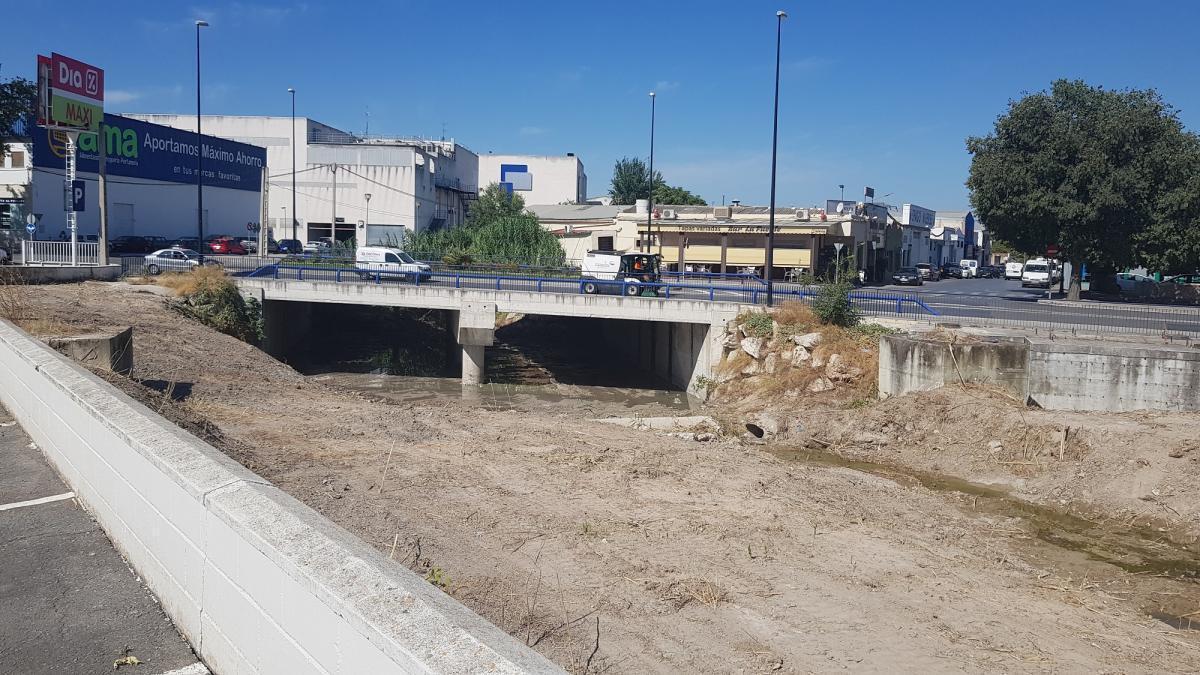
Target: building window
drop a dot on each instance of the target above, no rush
(604, 243)
(17, 158)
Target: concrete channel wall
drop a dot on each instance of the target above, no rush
(1056, 375)
(256, 581)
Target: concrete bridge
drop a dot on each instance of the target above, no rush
(678, 339)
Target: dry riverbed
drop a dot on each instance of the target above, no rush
(679, 556)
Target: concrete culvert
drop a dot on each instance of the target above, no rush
(754, 429)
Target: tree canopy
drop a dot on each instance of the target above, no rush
(1110, 177)
(630, 182)
(498, 230)
(16, 107)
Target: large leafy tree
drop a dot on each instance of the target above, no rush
(666, 194)
(494, 203)
(631, 181)
(1084, 168)
(498, 230)
(16, 108)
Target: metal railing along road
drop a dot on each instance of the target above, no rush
(872, 303)
(1065, 317)
(59, 253)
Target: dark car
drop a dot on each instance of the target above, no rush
(929, 272)
(191, 243)
(156, 242)
(991, 272)
(953, 270)
(290, 246)
(907, 276)
(129, 244)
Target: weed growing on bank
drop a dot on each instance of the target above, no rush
(208, 296)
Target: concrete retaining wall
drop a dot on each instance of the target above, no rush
(677, 353)
(256, 581)
(1055, 375)
(54, 274)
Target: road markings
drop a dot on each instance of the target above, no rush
(35, 502)
(196, 668)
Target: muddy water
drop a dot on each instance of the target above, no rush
(1148, 567)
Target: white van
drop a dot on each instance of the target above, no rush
(391, 262)
(1036, 273)
(1013, 270)
(970, 268)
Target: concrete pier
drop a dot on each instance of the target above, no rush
(475, 330)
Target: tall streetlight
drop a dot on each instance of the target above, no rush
(367, 216)
(292, 91)
(842, 187)
(199, 150)
(770, 261)
(650, 201)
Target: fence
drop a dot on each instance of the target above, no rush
(1065, 317)
(59, 253)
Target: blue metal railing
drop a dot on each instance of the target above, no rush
(754, 293)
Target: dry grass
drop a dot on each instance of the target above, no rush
(794, 313)
(14, 299)
(189, 283)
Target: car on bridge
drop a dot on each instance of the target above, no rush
(617, 271)
(383, 261)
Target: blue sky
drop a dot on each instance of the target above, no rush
(877, 93)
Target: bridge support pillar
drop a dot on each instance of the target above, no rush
(475, 329)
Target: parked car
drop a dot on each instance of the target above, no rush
(952, 270)
(929, 272)
(991, 272)
(272, 246)
(171, 260)
(1012, 269)
(907, 276)
(970, 268)
(187, 242)
(156, 242)
(249, 243)
(391, 261)
(226, 245)
(290, 246)
(320, 247)
(1130, 283)
(1190, 279)
(1037, 273)
(129, 244)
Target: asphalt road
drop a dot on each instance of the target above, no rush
(68, 602)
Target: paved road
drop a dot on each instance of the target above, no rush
(68, 602)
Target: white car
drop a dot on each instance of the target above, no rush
(1012, 270)
(251, 245)
(1036, 273)
(317, 247)
(391, 262)
(172, 260)
(1131, 283)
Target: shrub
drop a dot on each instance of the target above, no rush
(759, 324)
(832, 304)
(209, 297)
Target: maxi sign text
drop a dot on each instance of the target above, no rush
(139, 149)
(76, 93)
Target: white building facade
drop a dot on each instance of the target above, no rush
(16, 175)
(371, 190)
(916, 224)
(538, 179)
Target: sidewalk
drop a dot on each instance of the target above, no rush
(68, 601)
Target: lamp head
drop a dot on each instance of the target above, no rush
(200, 23)
(291, 90)
(781, 14)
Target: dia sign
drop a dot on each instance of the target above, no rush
(76, 94)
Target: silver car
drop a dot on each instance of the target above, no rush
(172, 260)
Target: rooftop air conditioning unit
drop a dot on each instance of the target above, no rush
(722, 212)
(669, 214)
(803, 214)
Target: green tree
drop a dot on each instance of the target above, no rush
(17, 98)
(495, 203)
(677, 196)
(630, 181)
(1081, 167)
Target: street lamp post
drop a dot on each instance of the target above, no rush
(650, 201)
(770, 257)
(199, 150)
(842, 187)
(292, 91)
(367, 215)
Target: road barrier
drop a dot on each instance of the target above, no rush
(59, 253)
(256, 581)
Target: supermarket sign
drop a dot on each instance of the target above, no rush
(70, 93)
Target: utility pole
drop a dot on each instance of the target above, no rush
(770, 257)
(333, 223)
(650, 200)
(102, 196)
(199, 151)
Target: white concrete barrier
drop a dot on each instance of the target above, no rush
(256, 581)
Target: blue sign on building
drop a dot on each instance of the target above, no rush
(139, 149)
(515, 177)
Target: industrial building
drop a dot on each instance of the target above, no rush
(374, 189)
(538, 179)
(151, 182)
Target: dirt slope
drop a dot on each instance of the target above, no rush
(681, 556)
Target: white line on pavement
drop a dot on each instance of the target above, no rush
(35, 502)
(196, 668)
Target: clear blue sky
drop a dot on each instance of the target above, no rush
(877, 92)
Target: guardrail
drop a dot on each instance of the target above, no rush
(59, 253)
(870, 303)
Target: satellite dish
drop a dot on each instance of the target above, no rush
(841, 207)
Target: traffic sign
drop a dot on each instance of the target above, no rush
(73, 197)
